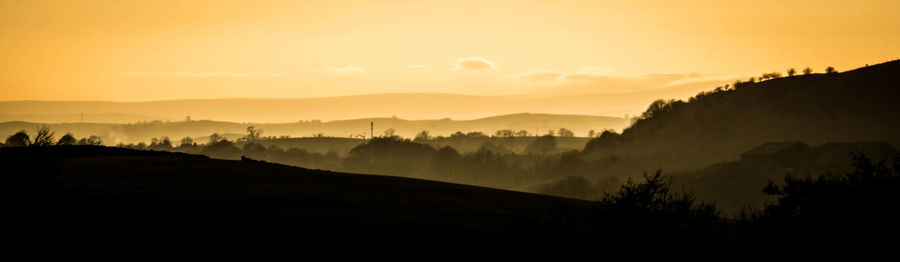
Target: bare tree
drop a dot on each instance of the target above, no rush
(253, 134)
(389, 132)
(44, 136)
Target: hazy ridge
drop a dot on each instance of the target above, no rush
(143, 132)
(402, 105)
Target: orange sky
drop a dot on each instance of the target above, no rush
(155, 50)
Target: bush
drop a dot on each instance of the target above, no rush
(649, 212)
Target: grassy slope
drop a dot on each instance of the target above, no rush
(858, 105)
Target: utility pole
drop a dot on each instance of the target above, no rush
(371, 129)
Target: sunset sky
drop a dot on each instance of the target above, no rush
(157, 50)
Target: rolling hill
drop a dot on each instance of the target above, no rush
(854, 106)
(125, 194)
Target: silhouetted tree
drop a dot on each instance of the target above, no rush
(187, 141)
(422, 137)
(96, 141)
(738, 84)
(772, 75)
(564, 132)
(253, 134)
(215, 138)
(830, 70)
(656, 108)
(389, 132)
(162, 143)
(807, 71)
(66, 140)
(504, 133)
(591, 133)
(475, 134)
(791, 72)
(522, 133)
(43, 137)
(18, 139)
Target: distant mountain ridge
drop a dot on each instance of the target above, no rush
(402, 105)
(78, 117)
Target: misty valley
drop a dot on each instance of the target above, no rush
(779, 163)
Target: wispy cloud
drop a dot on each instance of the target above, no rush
(703, 79)
(539, 76)
(597, 79)
(201, 74)
(474, 63)
(347, 70)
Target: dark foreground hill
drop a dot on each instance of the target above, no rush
(99, 197)
(127, 194)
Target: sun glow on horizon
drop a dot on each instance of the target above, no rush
(158, 50)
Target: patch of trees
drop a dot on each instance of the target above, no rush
(389, 155)
(830, 210)
(43, 136)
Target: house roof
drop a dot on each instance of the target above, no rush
(858, 147)
(772, 148)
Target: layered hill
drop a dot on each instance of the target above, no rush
(854, 106)
(143, 132)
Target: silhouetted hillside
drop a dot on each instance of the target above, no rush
(131, 197)
(853, 106)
